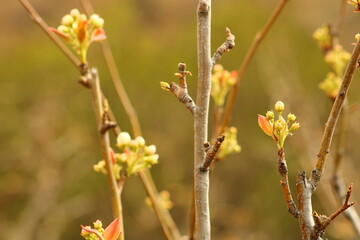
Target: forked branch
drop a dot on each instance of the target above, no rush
(181, 92)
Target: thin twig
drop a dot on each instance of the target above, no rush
(168, 225)
(334, 115)
(284, 182)
(37, 19)
(225, 47)
(245, 63)
(181, 92)
(322, 222)
(201, 179)
(93, 79)
(211, 152)
(115, 77)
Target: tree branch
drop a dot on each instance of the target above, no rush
(245, 63)
(284, 182)
(306, 220)
(93, 79)
(334, 115)
(201, 179)
(225, 47)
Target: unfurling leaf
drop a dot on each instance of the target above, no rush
(112, 232)
(265, 124)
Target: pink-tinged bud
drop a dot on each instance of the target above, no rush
(112, 232)
(98, 35)
(266, 125)
(112, 155)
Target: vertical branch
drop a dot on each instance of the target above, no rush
(245, 63)
(168, 225)
(105, 144)
(201, 178)
(306, 220)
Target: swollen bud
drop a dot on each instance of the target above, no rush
(291, 117)
(123, 139)
(279, 106)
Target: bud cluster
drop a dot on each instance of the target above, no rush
(111, 232)
(164, 199)
(280, 128)
(230, 145)
(134, 156)
(221, 83)
(90, 233)
(336, 57)
(323, 37)
(80, 31)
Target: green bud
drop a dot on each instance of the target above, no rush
(98, 224)
(153, 159)
(294, 126)
(270, 115)
(291, 117)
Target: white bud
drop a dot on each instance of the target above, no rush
(123, 139)
(97, 21)
(63, 29)
(75, 13)
(150, 150)
(67, 20)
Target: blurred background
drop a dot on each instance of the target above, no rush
(49, 141)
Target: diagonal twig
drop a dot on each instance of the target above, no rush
(245, 63)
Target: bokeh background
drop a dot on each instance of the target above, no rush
(48, 139)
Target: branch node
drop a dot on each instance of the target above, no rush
(204, 8)
(211, 152)
(180, 91)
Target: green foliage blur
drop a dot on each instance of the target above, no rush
(49, 141)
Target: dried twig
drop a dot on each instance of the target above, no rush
(245, 63)
(284, 182)
(201, 179)
(211, 152)
(225, 47)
